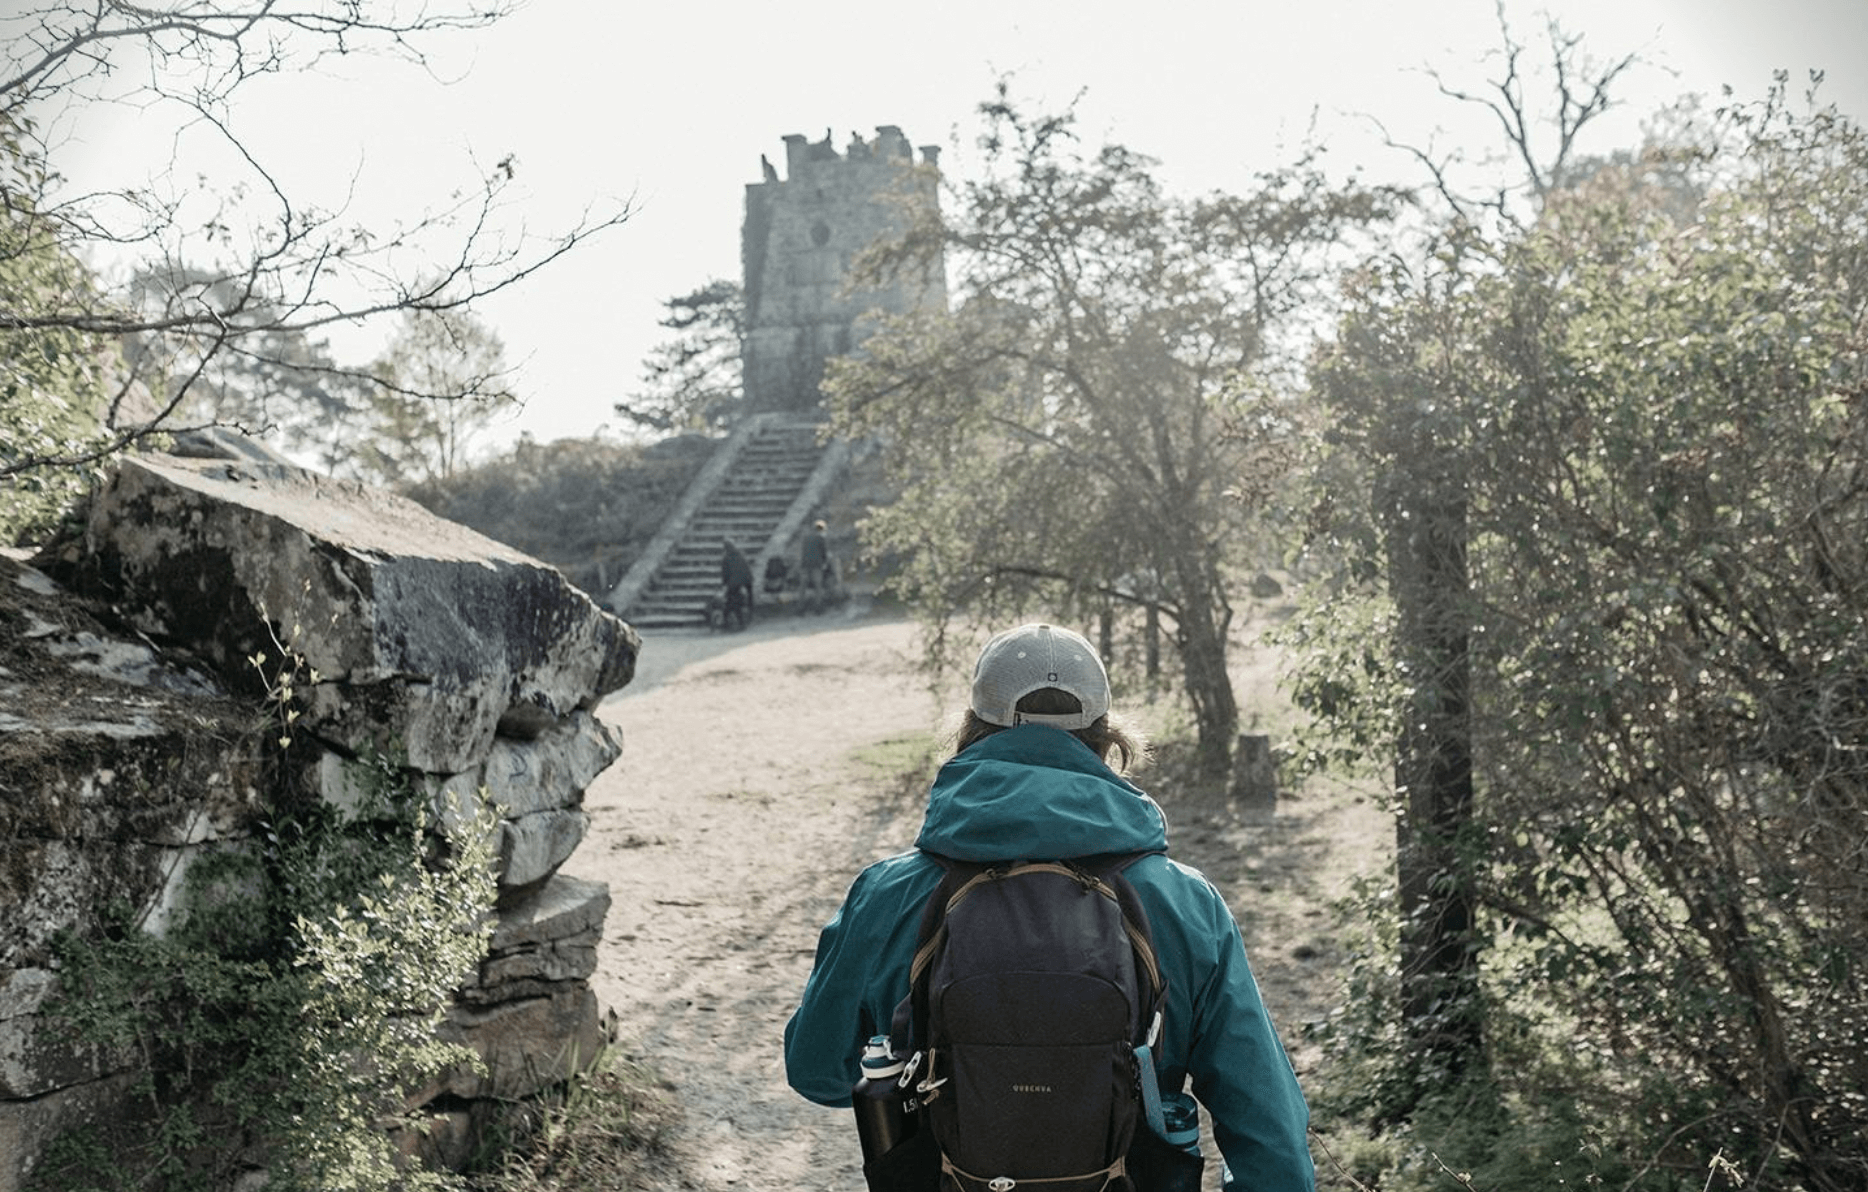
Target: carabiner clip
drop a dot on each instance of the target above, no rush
(908, 1071)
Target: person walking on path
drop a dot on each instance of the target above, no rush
(1031, 778)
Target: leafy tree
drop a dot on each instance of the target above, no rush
(1663, 439)
(1071, 437)
(268, 274)
(1402, 381)
(692, 381)
(52, 379)
(279, 384)
(439, 382)
(290, 1016)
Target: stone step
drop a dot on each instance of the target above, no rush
(765, 485)
(689, 579)
(748, 536)
(761, 492)
(668, 618)
(770, 482)
(743, 508)
(693, 602)
(693, 565)
(746, 508)
(705, 550)
(679, 603)
(739, 511)
(695, 562)
(741, 528)
(759, 449)
(752, 462)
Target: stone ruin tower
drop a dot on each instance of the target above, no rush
(801, 234)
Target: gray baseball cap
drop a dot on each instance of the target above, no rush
(1032, 657)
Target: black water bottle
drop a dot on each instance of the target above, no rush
(882, 1120)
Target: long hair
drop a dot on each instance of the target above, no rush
(1109, 733)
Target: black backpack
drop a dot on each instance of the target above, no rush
(1035, 997)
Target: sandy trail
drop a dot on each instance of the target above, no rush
(758, 777)
(728, 833)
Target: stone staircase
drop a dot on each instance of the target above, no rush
(757, 491)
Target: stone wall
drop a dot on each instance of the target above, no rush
(135, 739)
(802, 233)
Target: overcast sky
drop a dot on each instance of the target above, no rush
(669, 106)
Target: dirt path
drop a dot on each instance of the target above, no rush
(760, 771)
(728, 832)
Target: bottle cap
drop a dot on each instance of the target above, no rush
(879, 1060)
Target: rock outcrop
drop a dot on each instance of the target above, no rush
(138, 734)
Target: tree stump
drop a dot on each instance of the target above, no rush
(1254, 785)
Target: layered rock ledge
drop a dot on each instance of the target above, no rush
(137, 734)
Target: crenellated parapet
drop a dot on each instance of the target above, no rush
(805, 159)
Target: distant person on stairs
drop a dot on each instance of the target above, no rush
(819, 575)
(736, 577)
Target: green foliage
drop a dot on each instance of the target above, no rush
(293, 1006)
(1453, 1142)
(54, 381)
(1074, 438)
(1346, 684)
(1528, 1122)
(440, 381)
(1659, 432)
(280, 672)
(586, 506)
(693, 381)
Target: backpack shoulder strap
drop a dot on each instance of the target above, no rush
(911, 1013)
(1111, 869)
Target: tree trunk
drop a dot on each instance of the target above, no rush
(1153, 632)
(1202, 642)
(1442, 1017)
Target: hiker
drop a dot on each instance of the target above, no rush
(1031, 778)
(814, 563)
(736, 578)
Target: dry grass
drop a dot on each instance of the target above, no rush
(612, 1127)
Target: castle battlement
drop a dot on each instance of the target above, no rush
(805, 157)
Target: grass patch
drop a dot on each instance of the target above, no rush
(609, 1127)
(912, 755)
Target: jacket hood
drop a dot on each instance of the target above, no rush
(1036, 792)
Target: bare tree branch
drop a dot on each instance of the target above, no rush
(61, 46)
(1581, 91)
(268, 267)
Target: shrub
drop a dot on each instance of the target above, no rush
(283, 1021)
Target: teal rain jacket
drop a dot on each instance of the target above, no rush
(1036, 792)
